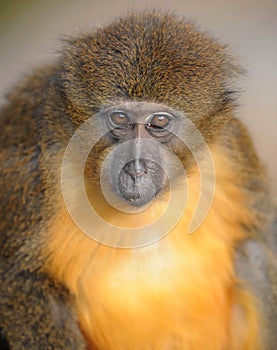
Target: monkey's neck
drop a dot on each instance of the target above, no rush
(178, 293)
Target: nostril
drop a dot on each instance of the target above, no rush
(140, 173)
(135, 174)
(136, 169)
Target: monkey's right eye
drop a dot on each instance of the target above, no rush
(120, 120)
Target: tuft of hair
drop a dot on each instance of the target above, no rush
(150, 56)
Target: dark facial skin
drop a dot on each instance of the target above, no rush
(141, 129)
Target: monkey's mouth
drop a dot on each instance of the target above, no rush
(140, 180)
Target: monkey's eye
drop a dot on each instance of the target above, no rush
(159, 123)
(120, 120)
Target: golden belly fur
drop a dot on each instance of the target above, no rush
(178, 293)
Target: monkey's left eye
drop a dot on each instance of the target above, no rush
(159, 123)
(120, 119)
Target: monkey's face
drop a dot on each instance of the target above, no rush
(140, 133)
(137, 158)
(147, 58)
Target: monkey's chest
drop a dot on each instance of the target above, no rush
(154, 302)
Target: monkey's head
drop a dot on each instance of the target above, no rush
(141, 79)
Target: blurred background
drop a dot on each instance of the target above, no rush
(30, 31)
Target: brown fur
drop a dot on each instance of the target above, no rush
(62, 290)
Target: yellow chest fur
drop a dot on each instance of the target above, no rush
(178, 293)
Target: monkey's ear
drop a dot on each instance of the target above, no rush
(231, 96)
(233, 71)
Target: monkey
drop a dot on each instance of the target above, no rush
(135, 212)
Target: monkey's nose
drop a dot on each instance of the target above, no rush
(136, 168)
(135, 184)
